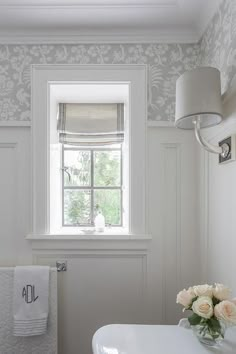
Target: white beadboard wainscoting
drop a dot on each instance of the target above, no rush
(111, 281)
(218, 205)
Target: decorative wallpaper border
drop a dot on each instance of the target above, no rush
(165, 63)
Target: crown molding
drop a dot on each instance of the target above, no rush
(85, 7)
(76, 31)
(92, 38)
(71, 5)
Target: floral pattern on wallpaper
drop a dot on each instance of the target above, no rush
(165, 63)
(218, 45)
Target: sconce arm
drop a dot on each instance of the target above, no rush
(203, 142)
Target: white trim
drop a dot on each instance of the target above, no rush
(95, 246)
(204, 215)
(173, 148)
(8, 145)
(108, 237)
(50, 68)
(23, 124)
(15, 123)
(177, 34)
(213, 135)
(94, 38)
(160, 124)
(83, 5)
(42, 77)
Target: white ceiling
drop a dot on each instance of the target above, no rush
(104, 20)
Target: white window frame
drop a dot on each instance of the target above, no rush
(45, 75)
(85, 92)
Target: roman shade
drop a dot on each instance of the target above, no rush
(89, 124)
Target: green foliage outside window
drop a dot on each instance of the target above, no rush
(96, 187)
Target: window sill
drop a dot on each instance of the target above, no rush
(90, 231)
(94, 236)
(101, 241)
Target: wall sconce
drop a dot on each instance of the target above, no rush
(199, 105)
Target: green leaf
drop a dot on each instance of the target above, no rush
(215, 301)
(214, 324)
(194, 299)
(194, 319)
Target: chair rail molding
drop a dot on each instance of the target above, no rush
(15, 124)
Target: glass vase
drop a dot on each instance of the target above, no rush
(208, 336)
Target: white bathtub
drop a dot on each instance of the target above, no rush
(152, 339)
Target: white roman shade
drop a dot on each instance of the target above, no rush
(87, 124)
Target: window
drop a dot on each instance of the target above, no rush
(53, 84)
(92, 183)
(91, 135)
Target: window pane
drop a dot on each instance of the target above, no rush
(109, 202)
(77, 206)
(77, 168)
(107, 168)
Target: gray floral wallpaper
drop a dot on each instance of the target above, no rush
(218, 45)
(165, 63)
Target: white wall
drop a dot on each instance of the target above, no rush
(111, 281)
(218, 222)
(218, 191)
(123, 281)
(172, 216)
(15, 202)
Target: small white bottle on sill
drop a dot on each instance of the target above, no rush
(99, 222)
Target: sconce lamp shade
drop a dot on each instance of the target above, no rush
(198, 93)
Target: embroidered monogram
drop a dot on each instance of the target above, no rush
(28, 293)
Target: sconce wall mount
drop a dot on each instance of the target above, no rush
(230, 143)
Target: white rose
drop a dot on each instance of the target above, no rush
(185, 298)
(226, 312)
(233, 300)
(203, 290)
(191, 291)
(203, 307)
(221, 292)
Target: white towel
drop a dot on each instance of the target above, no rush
(30, 303)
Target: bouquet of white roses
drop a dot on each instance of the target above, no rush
(212, 309)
